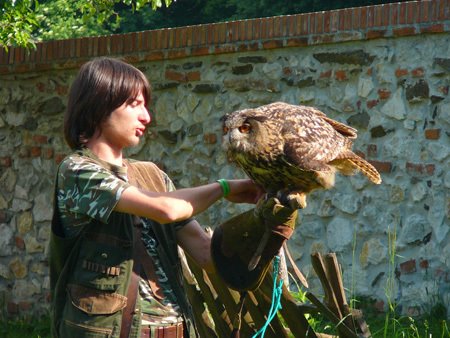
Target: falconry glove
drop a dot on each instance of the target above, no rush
(260, 233)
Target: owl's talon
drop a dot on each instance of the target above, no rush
(295, 200)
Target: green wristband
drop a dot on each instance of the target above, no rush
(225, 186)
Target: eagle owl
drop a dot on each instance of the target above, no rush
(291, 150)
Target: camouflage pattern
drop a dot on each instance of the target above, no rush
(90, 188)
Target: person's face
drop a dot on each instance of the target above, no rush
(126, 124)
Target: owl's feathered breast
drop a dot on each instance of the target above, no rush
(279, 152)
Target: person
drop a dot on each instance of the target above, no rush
(117, 223)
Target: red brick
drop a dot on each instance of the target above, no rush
(5, 161)
(378, 15)
(40, 139)
(411, 13)
(424, 264)
(176, 54)
(272, 44)
(363, 21)
(154, 56)
(297, 42)
(175, 76)
(436, 28)
(399, 72)
(20, 243)
(200, 51)
(326, 74)
(432, 134)
(193, 76)
(319, 22)
(420, 168)
(59, 157)
(408, 266)
(394, 14)
(334, 19)
(340, 75)
(47, 153)
(35, 151)
(384, 94)
(418, 72)
(375, 34)
(372, 103)
(210, 138)
(402, 12)
(312, 23)
(382, 167)
(404, 31)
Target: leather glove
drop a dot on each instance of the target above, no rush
(278, 218)
(280, 221)
(236, 241)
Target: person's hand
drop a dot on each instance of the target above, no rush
(276, 215)
(279, 221)
(244, 191)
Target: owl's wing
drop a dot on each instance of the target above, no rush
(310, 142)
(341, 128)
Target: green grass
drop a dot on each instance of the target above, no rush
(34, 328)
(381, 325)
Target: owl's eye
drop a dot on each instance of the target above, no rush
(245, 128)
(225, 130)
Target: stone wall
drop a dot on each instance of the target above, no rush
(384, 70)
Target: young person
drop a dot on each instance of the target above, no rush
(114, 265)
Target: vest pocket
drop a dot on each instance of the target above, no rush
(95, 302)
(76, 330)
(91, 313)
(101, 266)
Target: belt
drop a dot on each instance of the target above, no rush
(170, 331)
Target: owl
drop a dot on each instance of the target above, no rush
(291, 150)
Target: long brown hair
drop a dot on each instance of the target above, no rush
(101, 86)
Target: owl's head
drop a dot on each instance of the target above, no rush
(245, 131)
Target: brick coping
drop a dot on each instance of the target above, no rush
(350, 24)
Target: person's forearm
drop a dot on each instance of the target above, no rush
(171, 206)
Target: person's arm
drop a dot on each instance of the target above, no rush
(184, 203)
(196, 243)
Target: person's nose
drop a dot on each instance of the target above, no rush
(145, 116)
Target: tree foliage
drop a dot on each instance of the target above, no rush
(17, 22)
(24, 22)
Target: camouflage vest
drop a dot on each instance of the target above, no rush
(90, 273)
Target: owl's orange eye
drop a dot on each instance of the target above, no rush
(225, 130)
(245, 128)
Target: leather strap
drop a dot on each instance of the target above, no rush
(172, 331)
(140, 174)
(147, 266)
(129, 310)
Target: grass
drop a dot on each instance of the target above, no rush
(32, 328)
(381, 325)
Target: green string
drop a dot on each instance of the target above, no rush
(276, 298)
